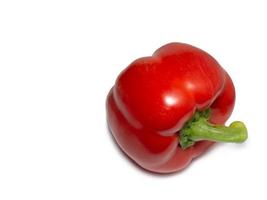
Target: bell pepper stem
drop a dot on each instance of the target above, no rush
(199, 128)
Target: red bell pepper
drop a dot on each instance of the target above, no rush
(167, 109)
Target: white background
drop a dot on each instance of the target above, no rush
(58, 60)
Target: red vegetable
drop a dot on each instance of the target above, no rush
(167, 109)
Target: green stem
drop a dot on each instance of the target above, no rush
(199, 129)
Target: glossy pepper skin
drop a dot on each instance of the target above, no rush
(155, 98)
